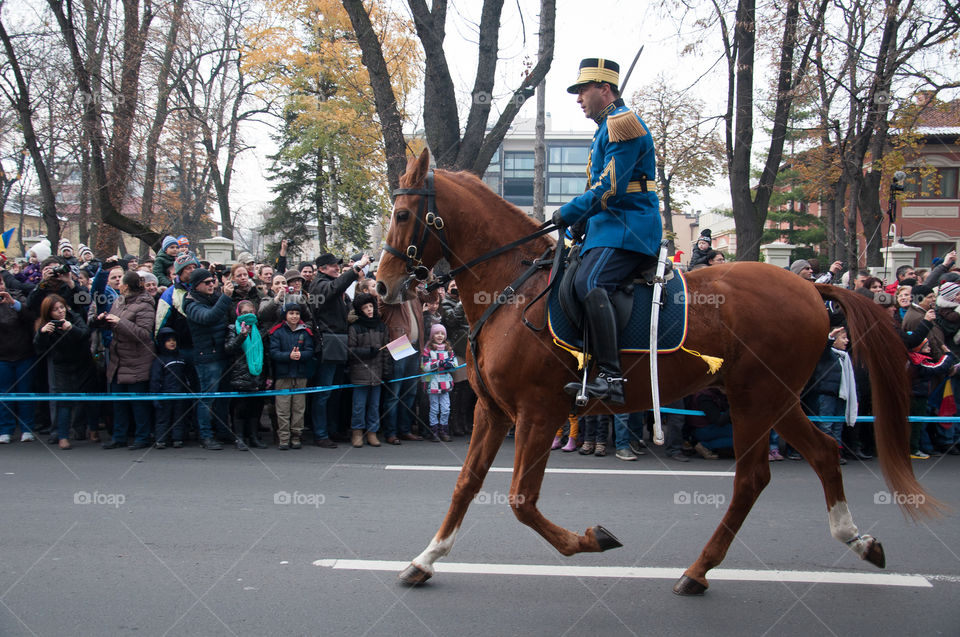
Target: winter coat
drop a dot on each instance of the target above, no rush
(239, 372)
(455, 322)
(170, 314)
(270, 311)
(401, 317)
(31, 273)
(368, 358)
(131, 350)
(253, 295)
(826, 377)
(207, 315)
(282, 342)
(168, 373)
(69, 354)
(77, 297)
(927, 372)
(328, 303)
(161, 264)
(439, 362)
(17, 329)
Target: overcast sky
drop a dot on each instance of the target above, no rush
(612, 29)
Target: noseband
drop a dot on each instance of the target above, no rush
(425, 223)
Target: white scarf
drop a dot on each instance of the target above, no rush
(848, 387)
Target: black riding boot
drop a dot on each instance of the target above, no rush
(602, 323)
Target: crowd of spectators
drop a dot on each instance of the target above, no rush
(77, 324)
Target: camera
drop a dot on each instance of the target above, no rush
(61, 269)
(57, 324)
(290, 289)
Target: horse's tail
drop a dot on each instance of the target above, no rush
(876, 343)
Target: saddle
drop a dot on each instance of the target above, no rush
(631, 301)
(622, 299)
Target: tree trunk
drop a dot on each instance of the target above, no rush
(540, 156)
(667, 200)
(391, 124)
(22, 106)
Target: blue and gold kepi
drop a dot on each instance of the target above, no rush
(596, 70)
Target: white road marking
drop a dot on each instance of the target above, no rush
(632, 572)
(624, 472)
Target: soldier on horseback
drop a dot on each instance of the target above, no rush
(621, 213)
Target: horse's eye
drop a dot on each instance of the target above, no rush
(403, 215)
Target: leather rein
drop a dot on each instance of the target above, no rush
(428, 223)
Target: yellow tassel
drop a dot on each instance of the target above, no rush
(580, 356)
(624, 126)
(713, 362)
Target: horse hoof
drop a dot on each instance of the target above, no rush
(874, 554)
(413, 575)
(605, 539)
(688, 586)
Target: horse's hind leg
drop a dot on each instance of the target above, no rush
(820, 450)
(489, 430)
(532, 451)
(750, 436)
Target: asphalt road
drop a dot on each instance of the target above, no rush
(190, 542)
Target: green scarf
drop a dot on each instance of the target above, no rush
(253, 344)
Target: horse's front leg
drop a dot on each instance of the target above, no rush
(533, 440)
(489, 429)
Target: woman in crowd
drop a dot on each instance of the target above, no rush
(129, 360)
(63, 338)
(16, 363)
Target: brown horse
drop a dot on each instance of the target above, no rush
(770, 329)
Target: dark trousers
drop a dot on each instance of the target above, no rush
(171, 417)
(131, 412)
(606, 268)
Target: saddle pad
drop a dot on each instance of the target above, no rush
(635, 337)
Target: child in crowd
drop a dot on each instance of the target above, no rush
(169, 375)
(926, 373)
(291, 348)
(369, 364)
(438, 357)
(244, 344)
(834, 389)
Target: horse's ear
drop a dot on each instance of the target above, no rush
(422, 166)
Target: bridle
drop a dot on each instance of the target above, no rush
(425, 223)
(428, 223)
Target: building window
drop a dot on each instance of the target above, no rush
(560, 190)
(567, 159)
(930, 251)
(493, 181)
(518, 164)
(519, 192)
(941, 184)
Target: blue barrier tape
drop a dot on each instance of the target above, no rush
(317, 390)
(90, 397)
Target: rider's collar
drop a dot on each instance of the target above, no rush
(612, 106)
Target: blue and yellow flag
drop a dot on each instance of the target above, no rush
(7, 236)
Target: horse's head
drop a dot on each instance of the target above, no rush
(415, 240)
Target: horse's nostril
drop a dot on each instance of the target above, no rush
(381, 288)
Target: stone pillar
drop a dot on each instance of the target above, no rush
(217, 249)
(777, 253)
(893, 257)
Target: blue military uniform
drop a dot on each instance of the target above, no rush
(621, 213)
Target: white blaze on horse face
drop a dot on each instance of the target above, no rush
(434, 551)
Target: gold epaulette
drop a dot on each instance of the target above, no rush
(624, 126)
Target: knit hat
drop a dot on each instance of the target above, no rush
(919, 347)
(921, 291)
(947, 294)
(148, 277)
(183, 241)
(362, 299)
(799, 266)
(245, 258)
(64, 244)
(705, 235)
(438, 327)
(290, 275)
(291, 306)
(183, 261)
(42, 249)
(167, 242)
(84, 250)
(198, 275)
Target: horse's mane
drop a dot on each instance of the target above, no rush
(478, 187)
